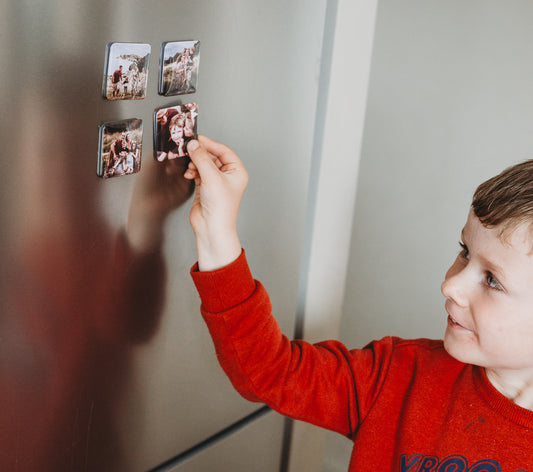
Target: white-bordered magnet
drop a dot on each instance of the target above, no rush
(126, 71)
(179, 64)
(174, 127)
(120, 148)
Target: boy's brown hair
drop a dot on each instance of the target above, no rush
(506, 200)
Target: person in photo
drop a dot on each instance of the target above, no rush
(117, 151)
(116, 81)
(176, 127)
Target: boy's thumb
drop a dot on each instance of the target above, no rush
(193, 145)
(201, 159)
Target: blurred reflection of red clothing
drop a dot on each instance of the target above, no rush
(72, 312)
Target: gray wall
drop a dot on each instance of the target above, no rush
(450, 104)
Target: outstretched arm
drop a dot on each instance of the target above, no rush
(299, 380)
(220, 181)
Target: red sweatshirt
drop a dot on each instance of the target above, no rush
(406, 404)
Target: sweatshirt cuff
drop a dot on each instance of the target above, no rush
(226, 287)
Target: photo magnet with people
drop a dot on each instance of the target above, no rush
(126, 71)
(174, 127)
(120, 148)
(180, 61)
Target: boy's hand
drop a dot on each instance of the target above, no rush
(220, 181)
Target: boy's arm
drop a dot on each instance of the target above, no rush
(311, 383)
(220, 181)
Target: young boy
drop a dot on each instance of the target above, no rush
(464, 404)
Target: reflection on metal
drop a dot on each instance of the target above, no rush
(105, 364)
(76, 294)
(67, 336)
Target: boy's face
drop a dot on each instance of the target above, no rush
(489, 299)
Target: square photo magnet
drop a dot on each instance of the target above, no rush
(126, 71)
(120, 148)
(179, 62)
(174, 127)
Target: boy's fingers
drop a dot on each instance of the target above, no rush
(190, 174)
(202, 160)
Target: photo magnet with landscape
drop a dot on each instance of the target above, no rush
(126, 71)
(179, 63)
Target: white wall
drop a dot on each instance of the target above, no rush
(450, 104)
(349, 31)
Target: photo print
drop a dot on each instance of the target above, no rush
(126, 71)
(179, 67)
(174, 127)
(120, 148)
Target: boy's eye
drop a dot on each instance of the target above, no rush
(492, 282)
(464, 251)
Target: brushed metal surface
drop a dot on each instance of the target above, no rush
(104, 361)
(255, 447)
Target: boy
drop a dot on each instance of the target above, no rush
(464, 404)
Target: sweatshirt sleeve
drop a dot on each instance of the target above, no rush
(313, 383)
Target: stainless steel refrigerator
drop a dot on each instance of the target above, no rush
(105, 363)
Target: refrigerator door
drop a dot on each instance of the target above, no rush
(105, 364)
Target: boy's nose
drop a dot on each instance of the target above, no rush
(454, 288)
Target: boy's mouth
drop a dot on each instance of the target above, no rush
(454, 324)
